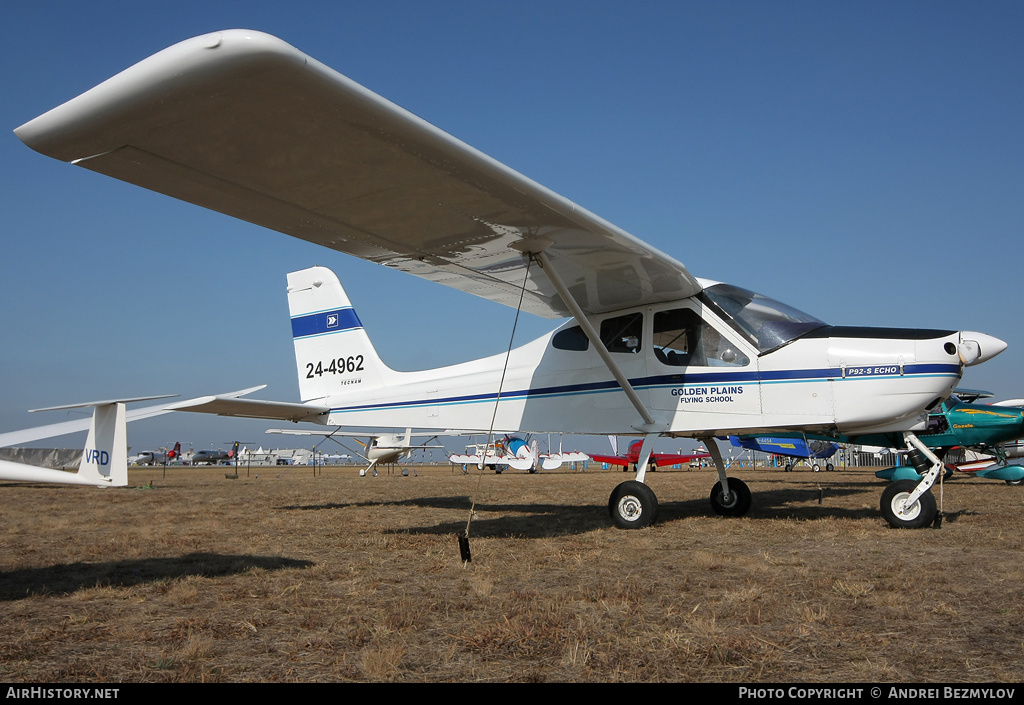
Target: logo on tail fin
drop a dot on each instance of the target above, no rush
(323, 322)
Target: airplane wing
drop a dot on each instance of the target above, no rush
(610, 459)
(661, 459)
(673, 459)
(971, 395)
(37, 433)
(474, 459)
(245, 124)
(557, 460)
(794, 447)
(28, 435)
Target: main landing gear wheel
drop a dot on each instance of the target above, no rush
(1015, 483)
(739, 499)
(633, 505)
(900, 516)
(816, 468)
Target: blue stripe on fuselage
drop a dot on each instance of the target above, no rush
(323, 322)
(673, 380)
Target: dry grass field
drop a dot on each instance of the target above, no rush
(289, 577)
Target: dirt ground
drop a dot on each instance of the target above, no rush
(280, 575)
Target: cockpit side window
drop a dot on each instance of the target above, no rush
(570, 339)
(682, 338)
(623, 334)
(677, 337)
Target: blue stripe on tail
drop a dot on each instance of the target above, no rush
(324, 322)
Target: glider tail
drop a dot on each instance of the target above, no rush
(333, 353)
(105, 458)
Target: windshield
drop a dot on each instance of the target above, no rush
(765, 322)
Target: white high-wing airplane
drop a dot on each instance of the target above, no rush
(380, 448)
(243, 123)
(515, 453)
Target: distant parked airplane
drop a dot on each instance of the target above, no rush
(514, 452)
(212, 457)
(789, 447)
(632, 456)
(155, 457)
(379, 448)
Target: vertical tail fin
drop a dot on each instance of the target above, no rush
(333, 353)
(105, 458)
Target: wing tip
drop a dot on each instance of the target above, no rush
(67, 131)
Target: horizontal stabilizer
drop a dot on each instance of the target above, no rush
(226, 405)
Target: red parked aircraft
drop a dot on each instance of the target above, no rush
(632, 457)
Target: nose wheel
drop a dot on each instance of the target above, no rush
(904, 514)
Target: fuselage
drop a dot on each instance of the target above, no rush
(699, 370)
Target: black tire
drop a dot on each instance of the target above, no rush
(789, 467)
(1015, 483)
(633, 505)
(816, 468)
(739, 499)
(829, 467)
(921, 514)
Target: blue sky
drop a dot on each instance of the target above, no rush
(863, 161)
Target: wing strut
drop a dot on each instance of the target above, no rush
(535, 249)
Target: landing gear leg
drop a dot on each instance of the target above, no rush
(728, 497)
(907, 504)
